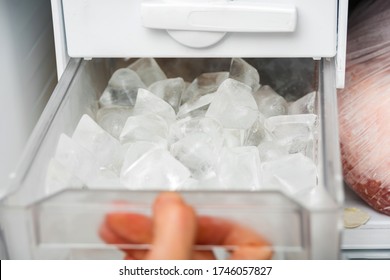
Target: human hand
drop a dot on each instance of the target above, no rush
(175, 229)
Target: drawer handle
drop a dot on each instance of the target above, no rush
(218, 16)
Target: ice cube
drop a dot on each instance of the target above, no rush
(148, 128)
(296, 132)
(242, 71)
(198, 152)
(188, 126)
(148, 70)
(155, 169)
(304, 105)
(77, 160)
(113, 119)
(169, 90)
(104, 147)
(239, 168)
(204, 84)
(256, 133)
(122, 89)
(284, 126)
(292, 174)
(271, 150)
(107, 180)
(147, 103)
(58, 178)
(269, 102)
(199, 105)
(233, 137)
(233, 105)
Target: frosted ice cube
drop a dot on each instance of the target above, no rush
(239, 168)
(58, 178)
(76, 159)
(292, 174)
(242, 71)
(113, 119)
(104, 147)
(269, 102)
(155, 169)
(284, 126)
(233, 137)
(233, 105)
(148, 70)
(122, 89)
(204, 84)
(149, 128)
(188, 126)
(270, 150)
(304, 105)
(198, 153)
(147, 103)
(169, 90)
(296, 132)
(256, 133)
(199, 105)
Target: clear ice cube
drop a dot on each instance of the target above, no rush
(271, 150)
(233, 137)
(169, 90)
(113, 119)
(122, 89)
(242, 71)
(148, 70)
(256, 133)
(58, 178)
(104, 147)
(239, 168)
(269, 102)
(293, 174)
(233, 105)
(76, 159)
(148, 128)
(198, 152)
(204, 84)
(147, 103)
(154, 169)
(198, 106)
(296, 132)
(304, 105)
(188, 126)
(106, 180)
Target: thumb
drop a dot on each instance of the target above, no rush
(174, 228)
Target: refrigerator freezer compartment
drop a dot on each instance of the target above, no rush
(40, 223)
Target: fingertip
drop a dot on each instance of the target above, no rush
(168, 198)
(174, 227)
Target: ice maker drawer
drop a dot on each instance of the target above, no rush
(42, 225)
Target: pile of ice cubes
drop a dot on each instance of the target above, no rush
(222, 131)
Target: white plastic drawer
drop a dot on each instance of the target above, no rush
(219, 28)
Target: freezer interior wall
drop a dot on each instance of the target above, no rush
(66, 224)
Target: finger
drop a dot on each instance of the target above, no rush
(252, 253)
(223, 232)
(174, 228)
(111, 238)
(203, 255)
(249, 244)
(130, 227)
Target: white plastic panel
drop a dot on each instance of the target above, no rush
(114, 28)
